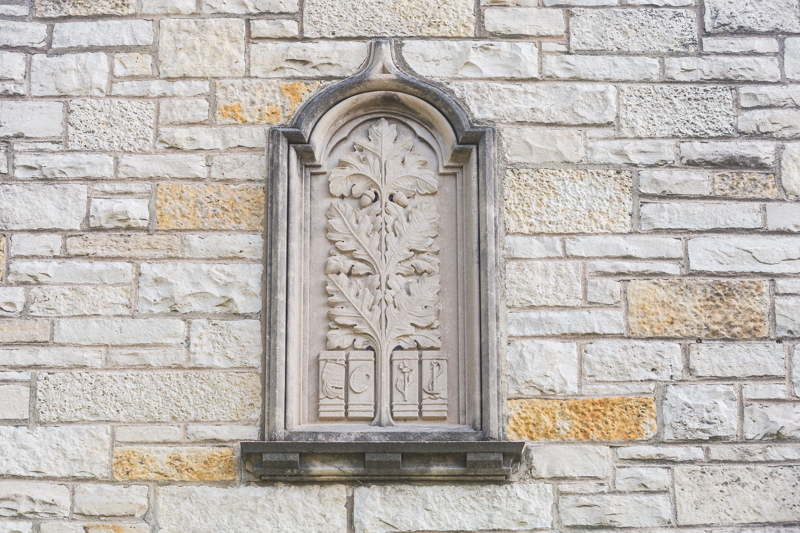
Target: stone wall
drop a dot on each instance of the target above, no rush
(652, 258)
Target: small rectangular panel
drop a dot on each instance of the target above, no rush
(405, 381)
(331, 385)
(434, 385)
(361, 385)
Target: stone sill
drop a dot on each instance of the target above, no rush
(382, 461)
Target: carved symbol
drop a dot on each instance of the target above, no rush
(361, 378)
(402, 383)
(433, 391)
(332, 386)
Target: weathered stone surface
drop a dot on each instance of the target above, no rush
(603, 291)
(524, 21)
(347, 18)
(778, 255)
(542, 145)
(70, 74)
(162, 166)
(791, 170)
(722, 68)
(639, 247)
(791, 57)
(600, 68)
(259, 102)
(752, 16)
(116, 331)
(737, 494)
(536, 368)
(111, 125)
(70, 301)
(221, 433)
(660, 453)
(50, 356)
(234, 246)
(631, 268)
(633, 30)
(212, 207)
(22, 34)
(179, 464)
(770, 96)
(225, 344)
(154, 88)
(567, 201)
(33, 500)
(166, 356)
(787, 286)
(199, 287)
(282, 509)
(24, 331)
(632, 361)
(61, 527)
(736, 360)
(12, 300)
(571, 322)
(68, 166)
(700, 412)
(698, 308)
(740, 45)
(787, 316)
(274, 29)
(631, 152)
(773, 122)
(119, 213)
(117, 528)
(764, 391)
(14, 401)
(30, 119)
(77, 451)
(523, 247)
(510, 507)
(472, 59)
(239, 166)
(755, 452)
(282, 60)
(783, 217)
(203, 138)
(148, 397)
(189, 111)
(615, 510)
(111, 500)
(675, 111)
(168, 7)
(538, 283)
(103, 33)
(744, 185)
(82, 8)
(148, 433)
(16, 527)
(584, 419)
(772, 421)
(196, 47)
(12, 66)
(70, 272)
(548, 103)
(697, 216)
(569, 461)
(133, 65)
(728, 154)
(249, 6)
(136, 245)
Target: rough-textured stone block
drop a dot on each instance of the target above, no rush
(740, 45)
(70, 272)
(632, 361)
(61, 527)
(167, 356)
(536, 368)
(103, 33)
(111, 125)
(111, 500)
(764, 391)
(119, 213)
(698, 308)
(660, 453)
(524, 21)
(17, 527)
(12, 300)
(239, 166)
(33, 500)
(78, 451)
(30, 119)
(67, 166)
(190, 111)
(754, 452)
(700, 412)
(260, 102)
(14, 402)
(282, 509)
(600, 68)
(744, 185)
(230, 343)
(178, 464)
(697, 216)
(523, 247)
(677, 182)
(511, 507)
(24, 207)
(133, 65)
(136, 245)
(347, 18)
(778, 255)
(772, 421)
(71, 74)
(202, 138)
(603, 291)
(787, 316)
(638, 479)
(543, 284)
(50, 357)
(633, 30)
(791, 170)
(752, 16)
(728, 154)
(637, 247)
(148, 433)
(782, 123)
(615, 510)
(192, 47)
(572, 322)
(628, 268)
(23, 34)
(722, 68)
(83, 8)
(116, 331)
(249, 6)
(70, 301)
(791, 55)
(24, 331)
(221, 433)
(631, 152)
(162, 166)
(168, 7)
(737, 494)
(472, 59)
(736, 360)
(12, 66)
(209, 206)
(274, 29)
(234, 246)
(584, 419)
(676, 111)
(542, 145)
(569, 461)
(154, 88)
(282, 60)
(567, 201)
(770, 96)
(783, 217)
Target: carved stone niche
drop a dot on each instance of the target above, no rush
(381, 265)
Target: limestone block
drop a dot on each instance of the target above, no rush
(103, 33)
(780, 96)
(754, 452)
(791, 170)
(631, 268)
(787, 286)
(744, 185)
(282, 509)
(637, 247)
(111, 500)
(282, 60)
(12, 300)
(149, 397)
(632, 361)
(225, 344)
(536, 368)
(259, 102)
(135, 245)
(111, 125)
(524, 21)
(166, 356)
(162, 166)
(523, 247)
(697, 216)
(698, 308)
(274, 29)
(133, 65)
(549, 103)
(631, 152)
(199, 48)
(239, 166)
(740, 45)
(213, 207)
(764, 391)
(15, 10)
(569, 461)
(221, 433)
(16, 527)
(472, 59)
(119, 213)
(116, 331)
(633, 30)
(71, 301)
(199, 287)
(148, 434)
(615, 510)
(700, 412)
(33, 500)
(728, 154)
(776, 255)
(70, 272)
(510, 507)
(737, 494)
(787, 316)
(772, 421)
(582, 419)
(12, 88)
(117, 528)
(348, 18)
(543, 284)
(70, 74)
(661, 453)
(567, 201)
(24, 331)
(14, 401)
(772, 122)
(30, 119)
(68, 166)
(200, 138)
(676, 111)
(12, 66)
(51, 356)
(234, 246)
(722, 68)
(189, 111)
(77, 451)
(600, 68)
(249, 6)
(82, 8)
(154, 88)
(603, 291)
(571, 322)
(179, 464)
(791, 62)
(168, 7)
(783, 217)
(638, 479)
(736, 360)
(746, 16)
(29, 34)
(542, 145)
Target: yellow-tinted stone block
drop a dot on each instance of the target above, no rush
(195, 206)
(259, 102)
(583, 419)
(116, 528)
(744, 185)
(698, 308)
(181, 464)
